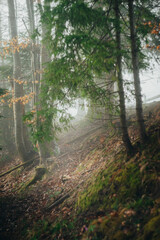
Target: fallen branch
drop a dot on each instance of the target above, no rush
(64, 197)
(18, 166)
(59, 201)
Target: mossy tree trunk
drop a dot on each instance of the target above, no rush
(43, 147)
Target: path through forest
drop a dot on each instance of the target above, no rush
(19, 209)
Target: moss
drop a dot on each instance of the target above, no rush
(107, 228)
(131, 185)
(124, 183)
(152, 229)
(140, 204)
(40, 172)
(119, 235)
(128, 182)
(95, 190)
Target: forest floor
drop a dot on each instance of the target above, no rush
(67, 203)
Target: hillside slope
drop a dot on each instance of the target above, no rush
(92, 191)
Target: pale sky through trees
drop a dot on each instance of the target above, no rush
(150, 79)
(151, 82)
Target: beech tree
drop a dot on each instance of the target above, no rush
(17, 105)
(34, 56)
(38, 61)
(35, 66)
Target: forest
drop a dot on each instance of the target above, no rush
(79, 120)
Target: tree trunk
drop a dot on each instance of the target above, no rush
(125, 136)
(7, 126)
(7, 131)
(135, 64)
(42, 147)
(45, 58)
(34, 68)
(1, 59)
(17, 105)
(34, 64)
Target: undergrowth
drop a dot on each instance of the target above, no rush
(120, 202)
(128, 194)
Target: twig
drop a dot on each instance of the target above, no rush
(61, 200)
(18, 166)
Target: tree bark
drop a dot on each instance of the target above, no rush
(30, 10)
(17, 105)
(34, 64)
(125, 136)
(7, 131)
(45, 58)
(135, 64)
(1, 59)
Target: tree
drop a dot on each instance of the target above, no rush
(125, 135)
(30, 10)
(84, 54)
(45, 58)
(2, 92)
(69, 49)
(85, 41)
(17, 105)
(135, 64)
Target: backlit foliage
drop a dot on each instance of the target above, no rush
(13, 45)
